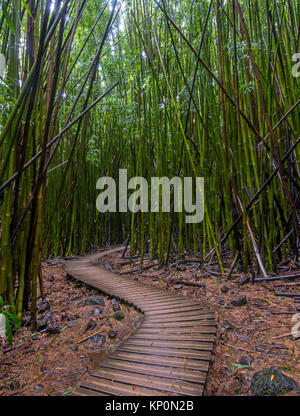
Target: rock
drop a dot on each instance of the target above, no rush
(224, 289)
(95, 300)
(244, 280)
(48, 315)
(271, 382)
(245, 361)
(119, 315)
(53, 330)
(227, 326)
(96, 312)
(116, 307)
(99, 339)
(14, 385)
(40, 325)
(38, 387)
(112, 334)
(74, 348)
(50, 278)
(90, 325)
(239, 301)
(43, 306)
(177, 286)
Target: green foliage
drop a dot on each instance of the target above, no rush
(6, 311)
(93, 153)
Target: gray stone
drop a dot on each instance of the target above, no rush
(53, 330)
(245, 361)
(40, 325)
(224, 289)
(112, 334)
(244, 280)
(14, 385)
(227, 326)
(99, 339)
(239, 301)
(48, 315)
(41, 305)
(271, 382)
(95, 300)
(45, 307)
(119, 315)
(178, 286)
(96, 312)
(90, 325)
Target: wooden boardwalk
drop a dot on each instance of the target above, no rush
(170, 352)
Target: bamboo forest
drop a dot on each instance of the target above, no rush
(149, 198)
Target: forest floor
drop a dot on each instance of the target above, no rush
(57, 357)
(77, 331)
(250, 337)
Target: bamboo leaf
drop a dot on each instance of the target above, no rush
(8, 331)
(13, 318)
(8, 19)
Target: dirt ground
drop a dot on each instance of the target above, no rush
(54, 360)
(250, 337)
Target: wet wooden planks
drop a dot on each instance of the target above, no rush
(170, 352)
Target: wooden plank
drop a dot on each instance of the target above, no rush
(175, 314)
(119, 389)
(161, 296)
(166, 361)
(204, 343)
(195, 376)
(186, 324)
(170, 352)
(157, 309)
(149, 297)
(175, 318)
(81, 391)
(173, 337)
(164, 303)
(150, 381)
(163, 311)
(175, 331)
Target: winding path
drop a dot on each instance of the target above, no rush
(169, 353)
